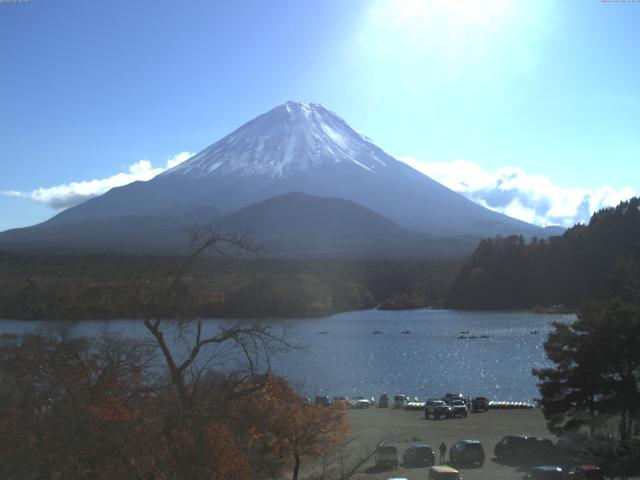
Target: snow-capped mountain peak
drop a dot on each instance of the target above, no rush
(290, 138)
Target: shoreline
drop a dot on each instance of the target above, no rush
(303, 316)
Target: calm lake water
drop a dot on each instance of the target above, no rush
(349, 359)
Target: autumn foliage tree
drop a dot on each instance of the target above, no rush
(281, 426)
(75, 408)
(243, 423)
(96, 409)
(192, 401)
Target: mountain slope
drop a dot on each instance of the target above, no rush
(299, 214)
(134, 233)
(306, 148)
(301, 225)
(294, 225)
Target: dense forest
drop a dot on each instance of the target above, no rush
(504, 272)
(97, 286)
(509, 272)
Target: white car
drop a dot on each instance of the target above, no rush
(387, 456)
(361, 402)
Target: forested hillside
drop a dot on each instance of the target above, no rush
(509, 272)
(98, 286)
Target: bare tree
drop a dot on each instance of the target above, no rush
(196, 356)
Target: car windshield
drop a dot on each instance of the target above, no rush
(471, 447)
(387, 450)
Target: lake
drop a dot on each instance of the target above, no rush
(349, 359)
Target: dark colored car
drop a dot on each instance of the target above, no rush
(585, 472)
(523, 448)
(436, 408)
(468, 453)
(419, 454)
(479, 404)
(545, 473)
(322, 400)
(383, 402)
(448, 397)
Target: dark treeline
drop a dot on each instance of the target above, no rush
(592, 392)
(94, 286)
(568, 270)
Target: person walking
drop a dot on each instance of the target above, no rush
(443, 450)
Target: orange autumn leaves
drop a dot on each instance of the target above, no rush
(94, 410)
(281, 422)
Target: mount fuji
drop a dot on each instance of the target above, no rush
(295, 147)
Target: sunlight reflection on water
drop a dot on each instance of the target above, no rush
(349, 359)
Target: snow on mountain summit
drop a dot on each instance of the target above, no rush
(290, 138)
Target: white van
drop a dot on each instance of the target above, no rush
(387, 456)
(400, 401)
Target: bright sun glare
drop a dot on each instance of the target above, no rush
(452, 15)
(444, 38)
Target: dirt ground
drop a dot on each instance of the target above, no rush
(375, 424)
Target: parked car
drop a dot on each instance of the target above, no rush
(383, 402)
(387, 456)
(400, 401)
(479, 404)
(361, 402)
(523, 448)
(419, 454)
(323, 400)
(458, 408)
(545, 473)
(449, 397)
(467, 452)
(443, 472)
(436, 408)
(414, 405)
(585, 472)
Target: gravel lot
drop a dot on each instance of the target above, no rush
(372, 425)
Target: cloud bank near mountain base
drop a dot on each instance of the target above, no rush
(514, 192)
(509, 190)
(60, 197)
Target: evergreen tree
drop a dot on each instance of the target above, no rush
(597, 360)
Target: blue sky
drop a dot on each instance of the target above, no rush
(528, 107)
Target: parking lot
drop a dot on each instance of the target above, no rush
(404, 427)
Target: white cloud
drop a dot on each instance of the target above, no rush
(514, 192)
(67, 195)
